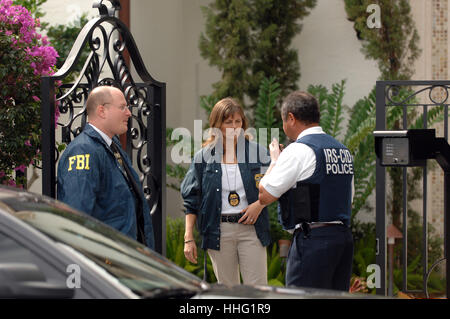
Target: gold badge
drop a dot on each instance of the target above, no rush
(234, 199)
(258, 178)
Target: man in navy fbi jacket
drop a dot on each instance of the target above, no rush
(96, 177)
(313, 181)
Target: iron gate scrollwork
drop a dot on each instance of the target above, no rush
(107, 38)
(427, 98)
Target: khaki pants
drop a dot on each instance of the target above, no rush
(240, 249)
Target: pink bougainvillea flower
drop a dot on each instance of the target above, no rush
(20, 168)
(37, 58)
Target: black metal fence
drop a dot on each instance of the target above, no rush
(107, 38)
(415, 102)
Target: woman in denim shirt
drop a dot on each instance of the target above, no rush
(220, 192)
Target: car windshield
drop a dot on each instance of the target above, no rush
(135, 266)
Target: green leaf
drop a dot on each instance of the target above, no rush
(269, 94)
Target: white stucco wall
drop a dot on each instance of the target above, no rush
(66, 11)
(167, 34)
(330, 52)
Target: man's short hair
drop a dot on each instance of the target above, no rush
(98, 96)
(303, 106)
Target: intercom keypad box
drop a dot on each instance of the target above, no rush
(395, 151)
(405, 148)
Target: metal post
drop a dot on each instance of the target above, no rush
(380, 194)
(405, 212)
(446, 230)
(157, 129)
(48, 137)
(424, 211)
(443, 158)
(391, 267)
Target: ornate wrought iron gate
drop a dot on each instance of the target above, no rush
(428, 99)
(108, 38)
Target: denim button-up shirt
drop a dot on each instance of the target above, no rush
(201, 190)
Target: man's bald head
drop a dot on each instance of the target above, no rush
(108, 110)
(99, 96)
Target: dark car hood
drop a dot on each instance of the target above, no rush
(271, 292)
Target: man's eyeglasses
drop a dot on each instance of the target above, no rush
(122, 107)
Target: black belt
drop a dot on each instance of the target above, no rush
(306, 228)
(231, 218)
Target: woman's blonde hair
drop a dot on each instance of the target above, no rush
(220, 112)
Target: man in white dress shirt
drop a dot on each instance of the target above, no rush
(313, 180)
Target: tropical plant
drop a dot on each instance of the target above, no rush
(175, 250)
(364, 255)
(394, 44)
(60, 37)
(276, 23)
(364, 249)
(34, 8)
(276, 230)
(25, 56)
(248, 40)
(227, 45)
(395, 48)
(357, 135)
(265, 113)
(331, 106)
(436, 284)
(276, 267)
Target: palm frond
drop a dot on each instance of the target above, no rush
(363, 109)
(269, 93)
(365, 128)
(434, 115)
(331, 106)
(320, 92)
(336, 103)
